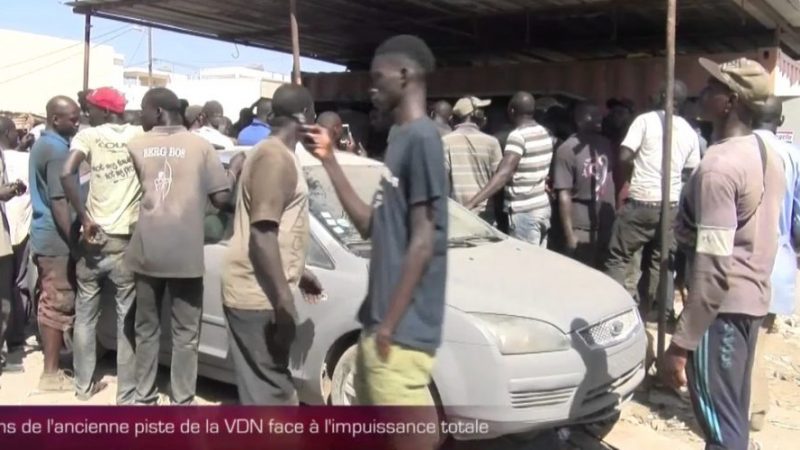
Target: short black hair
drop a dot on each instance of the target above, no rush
(410, 47)
(162, 98)
(213, 108)
(263, 106)
(291, 99)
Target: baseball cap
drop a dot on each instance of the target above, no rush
(467, 105)
(744, 76)
(107, 98)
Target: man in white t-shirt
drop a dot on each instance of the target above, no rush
(638, 223)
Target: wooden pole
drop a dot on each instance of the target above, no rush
(87, 37)
(295, 43)
(150, 57)
(664, 284)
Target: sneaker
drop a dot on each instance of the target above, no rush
(96, 388)
(60, 381)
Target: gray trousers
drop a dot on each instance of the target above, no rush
(186, 295)
(638, 225)
(23, 311)
(94, 270)
(261, 364)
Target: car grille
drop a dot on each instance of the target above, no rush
(611, 386)
(612, 331)
(532, 399)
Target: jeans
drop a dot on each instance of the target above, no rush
(637, 226)
(531, 226)
(718, 372)
(94, 269)
(186, 295)
(261, 364)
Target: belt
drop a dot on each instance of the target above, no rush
(648, 204)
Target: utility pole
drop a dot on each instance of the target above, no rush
(664, 284)
(150, 57)
(295, 42)
(87, 47)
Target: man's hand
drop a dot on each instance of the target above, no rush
(571, 242)
(383, 341)
(7, 192)
(91, 231)
(318, 141)
(311, 288)
(673, 367)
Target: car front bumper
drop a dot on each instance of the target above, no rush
(522, 393)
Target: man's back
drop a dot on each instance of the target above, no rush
(254, 133)
(785, 270)
(471, 158)
(46, 162)
(526, 191)
(177, 171)
(645, 137)
(734, 197)
(114, 190)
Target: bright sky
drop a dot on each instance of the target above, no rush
(54, 18)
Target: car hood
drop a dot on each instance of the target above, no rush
(519, 279)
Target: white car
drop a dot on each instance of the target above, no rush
(531, 339)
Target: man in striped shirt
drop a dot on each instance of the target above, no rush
(523, 172)
(471, 156)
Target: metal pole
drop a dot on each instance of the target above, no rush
(87, 37)
(295, 42)
(666, 163)
(150, 57)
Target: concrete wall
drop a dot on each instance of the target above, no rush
(38, 67)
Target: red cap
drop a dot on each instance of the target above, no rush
(107, 98)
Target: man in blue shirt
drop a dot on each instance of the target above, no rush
(259, 129)
(785, 269)
(50, 231)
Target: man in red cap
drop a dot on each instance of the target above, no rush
(107, 219)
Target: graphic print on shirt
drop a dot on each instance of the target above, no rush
(163, 179)
(121, 169)
(597, 168)
(388, 179)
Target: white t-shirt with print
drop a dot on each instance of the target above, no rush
(645, 138)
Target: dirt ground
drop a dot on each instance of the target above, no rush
(654, 420)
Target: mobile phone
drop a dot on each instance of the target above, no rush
(347, 136)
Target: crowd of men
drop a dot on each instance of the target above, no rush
(121, 200)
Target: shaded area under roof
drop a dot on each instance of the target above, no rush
(460, 32)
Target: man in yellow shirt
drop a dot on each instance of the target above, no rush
(108, 218)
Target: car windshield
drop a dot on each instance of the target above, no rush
(465, 228)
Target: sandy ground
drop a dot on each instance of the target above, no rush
(654, 420)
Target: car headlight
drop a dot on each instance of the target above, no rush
(518, 335)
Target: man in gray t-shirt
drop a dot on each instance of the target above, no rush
(178, 172)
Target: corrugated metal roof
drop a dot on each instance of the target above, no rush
(460, 32)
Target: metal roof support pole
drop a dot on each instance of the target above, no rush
(87, 37)
(295, 43)
(664, 284)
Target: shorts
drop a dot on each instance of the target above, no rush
(402, 380)
(56, 291)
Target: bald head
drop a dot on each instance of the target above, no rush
(770, 115)
(213, 108)
(63, 115)
(521, 106)
(443, 110)
(681, 93)
(331, 122)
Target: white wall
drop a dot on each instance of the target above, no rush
(39, 67)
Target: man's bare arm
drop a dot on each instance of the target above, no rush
(418, 255)
(565, 213)
(505, 171)
(265, 254)
(71, 183)
(61, 217)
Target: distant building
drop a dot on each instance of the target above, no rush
(37, 68)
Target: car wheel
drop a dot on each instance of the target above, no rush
(343, 392)
(602, 428)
